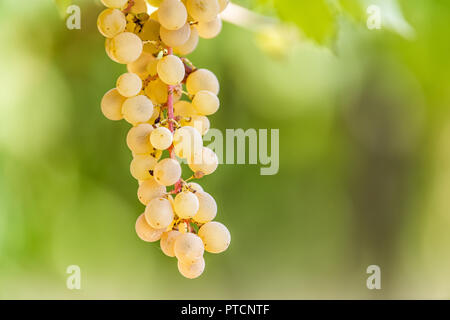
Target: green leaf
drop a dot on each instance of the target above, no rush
(314, 17)
(62, 6)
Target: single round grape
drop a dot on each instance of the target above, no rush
(111, 22)
(139, 66)
(186, 205)
(207, 162)
(209, 29)
(111, 105)
(157, 91)
(138, 139)
(190, 45)
(174, 38)
(167, 172)
(118, 4)
(202, 79)
(137, 109)
(215, 236)
(129, 85)
(188, 142)
(184, 109)
(161, 138)
(141, 165)
(167, 242)
(126, 47)
(203, 10)
(171, 70)
(200, 123)
(195, 186)
(172, 14)
(206, 102)
(140, 6)
(191, 270)
(189, 248)
(223, 4)
(207, 210)
(108, 50)
(149, 190)
(159, 213)
(146, 232)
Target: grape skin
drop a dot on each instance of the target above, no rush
(209, 29)
(206, 102)
(172, 14)
(195, 186)
(137, 109)
(186, 205)
(138, 139)
(161, 138)
(126, 47)
(171, 70)
(167, 242)
(167, 172)
(174, 38)
(141, 165)
(189, 248)
(129, 85)
(149, 190)
(203, 10)
(118, 4)
(111, 22)
(159, 213)
(215, 236)
(111, 105)
(200, 123)
(202, 79)
(207, 162)
(190, 45)
(145, 232)
(191, 270)
(139, 66)
(207, 210)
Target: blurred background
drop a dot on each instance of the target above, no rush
(364, 171)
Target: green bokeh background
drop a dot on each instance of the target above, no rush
(364, 162)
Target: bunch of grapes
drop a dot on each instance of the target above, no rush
(166, 128)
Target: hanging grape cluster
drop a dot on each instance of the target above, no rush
(166, 128)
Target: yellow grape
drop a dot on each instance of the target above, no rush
(167, 172)
(203, 10)
(215, 236)
(184, 109)
(207, 210)
(195, 186)
(167, 242)
(109, 51)
(206, 162)
(152, 67)
(139, 6)
(190, 45)
(159, 213)
(174, 38)
(126, 47)
(172, 14)
(111, 105)
(118, 4)
(137, 109)
(186, 205)
(161, 138)
(171, 70)
(202, 79)
(129, 85)
(150, 32)
(209, 29)
(206, 102)
(200, 123)
(191, 270)
(111, 22)
(138, 139)
(139, 66)
(187, 142)
(149, 190)
(189, 247)
(145, 232)
(141, 165)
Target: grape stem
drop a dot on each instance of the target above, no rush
(128, 8)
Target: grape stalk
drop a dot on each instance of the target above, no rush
(167, 100)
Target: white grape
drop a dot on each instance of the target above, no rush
(167, 172)
(203, 10)
(184, 109)
(111, 105)
(186, 204)
(159, 213)
(190, 45)
(126, 47)
(207, 210)
(195, 186)
(171, 70)
(188, 143)
(202, 79)
(172, 14)
(140, 6)
(200, 123)
(149, 190)
(191, 270)
(215, 236)
(109, 51)
(189, 247)
(167, 242)
(137, 109)
(145, 231)
(206, 102)
(139, 66)
(174, 38)
(141, 165)
(111, 22)
(118, 4)
(129, 85)
(209, 29)
(138, 139)
(206, 162)
(161, 138)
